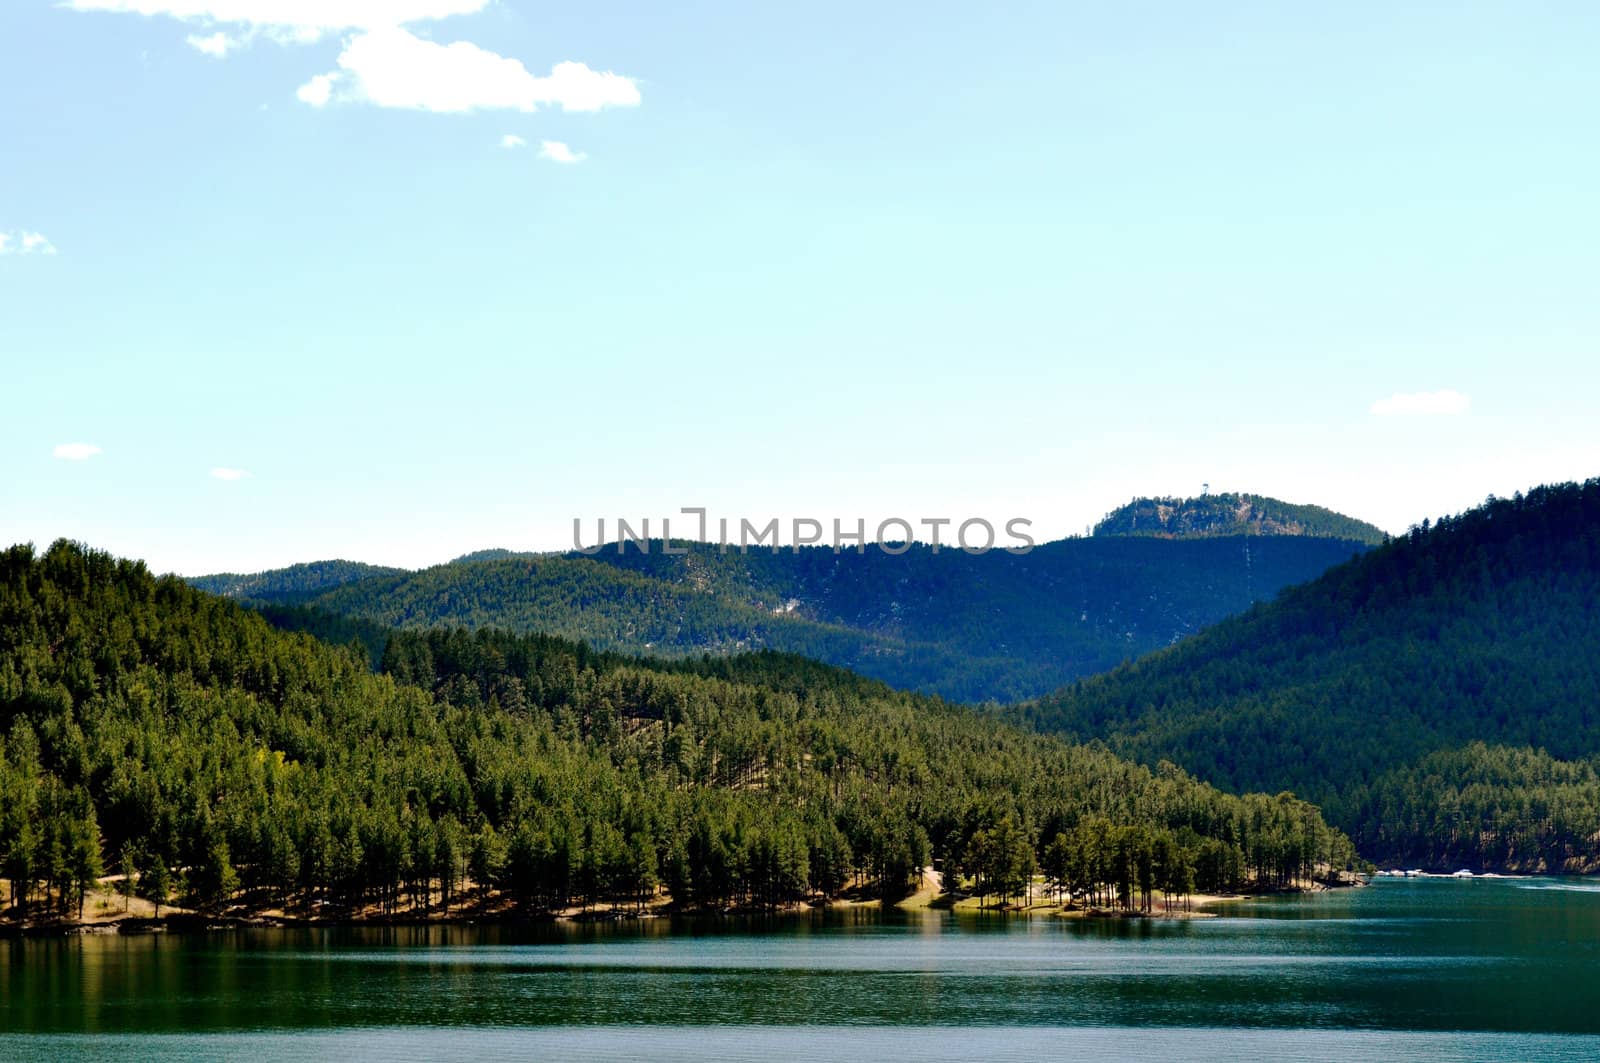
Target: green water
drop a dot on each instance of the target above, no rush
(1435, 970)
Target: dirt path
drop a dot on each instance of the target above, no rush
(932, 887)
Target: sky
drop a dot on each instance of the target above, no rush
(398, 279)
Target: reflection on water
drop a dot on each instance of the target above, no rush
(1560, 884)
(1424, 969)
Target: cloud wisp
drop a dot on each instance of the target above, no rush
(24, 242)
(556, 151)
(222, 472)
(1445, 403)
(216, 45)
(76, 451)
(317, 92)
(290, 21)
(511, 141)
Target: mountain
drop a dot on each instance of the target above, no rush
(179, 738)
(1232, 514)
(292, 584)
(493, 554)
(972, 628)
(1396, 687)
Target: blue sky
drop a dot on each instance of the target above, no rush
(832, 260)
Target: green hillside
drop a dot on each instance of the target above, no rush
(1232, 514)
(1484, 806)
(293, 584)
(1481, 628)
(492, 554)
(147, 726)
(969, 628)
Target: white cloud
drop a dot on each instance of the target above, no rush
(392, 68)
(223, 473)
(317, 92)
(1422, 404)
(217, 45)
(511, 140)
(76, 451)
(382, 63)
(556, 151)
(23, 242)
(299, 21)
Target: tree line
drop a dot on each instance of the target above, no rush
(151, 729)
(1483, 806)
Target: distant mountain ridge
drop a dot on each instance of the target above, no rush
(494, 554)
(973, 628)
(292, 584)
(1232, 514)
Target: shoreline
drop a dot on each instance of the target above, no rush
(109, 914)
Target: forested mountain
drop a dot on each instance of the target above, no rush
(1232, 514)
(970, 628)
(1480, 628)
(293, 584)
(151, 727)
(493, 554)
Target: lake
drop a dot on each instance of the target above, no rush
(1405, 969)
